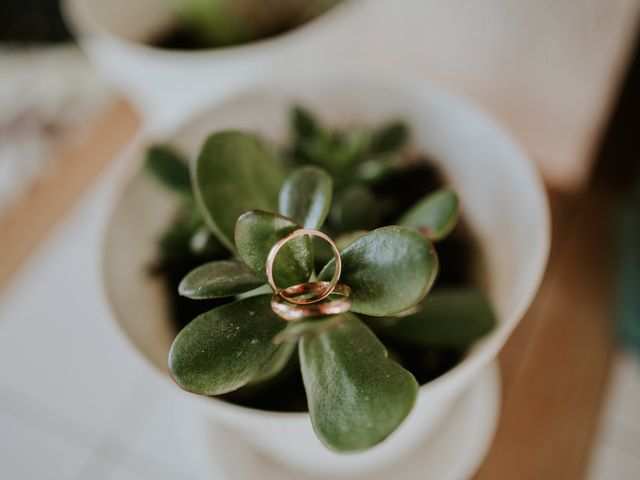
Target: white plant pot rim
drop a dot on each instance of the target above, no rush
(81, 22)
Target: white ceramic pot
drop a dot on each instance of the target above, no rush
(502, 199)
(166, 85)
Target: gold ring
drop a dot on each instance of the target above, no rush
(329, 286)
(295, 313)
(293, 293)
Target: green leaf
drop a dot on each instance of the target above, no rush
(303, 123)
(392, 136)
(305, 196)
(297, 330)
(223, 278)
(379, 168)
(351, 144)
(204, 243)
(214, 23)
(257, 232)
(169, 168)
(276, 364)
(235, 173)
(447, 317)
(174, 241)
(337, 152)
(356, 395)
(436, 215)
(389, 270)
(346, 239)
(225, 348)
(355, 208)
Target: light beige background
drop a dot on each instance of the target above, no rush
(547, 69)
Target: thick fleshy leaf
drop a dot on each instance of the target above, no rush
(390, 137)
(297, 330)
(346, 239)
(337, 152)
(305, 196)
(225, 348)
(447, 317)
(389, 270)
(235, 173)
(276, 364)
(436, 215)
(350, 146)
(205, 244)
(219, 279)
(379, 168)
(257, 232)
(213, 24)
(355, 208)
(356, 395)
(170, 168)
(303, 123)
(175, 241)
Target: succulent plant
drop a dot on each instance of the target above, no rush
(245, 199)
(227, 22)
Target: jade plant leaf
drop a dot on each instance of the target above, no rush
(219, 279)
(436, 214)
(297, 330)
(356, 395)
(346, 239)
(235, 173)
(379, 168)
(303, 123)
(276, 364)
(305, 196)
(205, 244)
(447, 317)
(389, 270)
(257, 232)
(355, 208)
(213, 23)
(391, 136)
(225, 348)
(174, 241)
(169, 168)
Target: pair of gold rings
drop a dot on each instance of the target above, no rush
(306, 300)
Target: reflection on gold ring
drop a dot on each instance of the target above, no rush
(293, 312)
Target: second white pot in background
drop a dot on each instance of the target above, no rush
(166, 85)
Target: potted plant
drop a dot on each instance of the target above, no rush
(357, 394)
(170, 56)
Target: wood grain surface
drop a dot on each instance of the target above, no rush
(76, 165)
(555, 366)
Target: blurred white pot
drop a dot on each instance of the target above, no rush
(502, 198)
(167, 85)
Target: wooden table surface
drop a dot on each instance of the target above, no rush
(554, 367)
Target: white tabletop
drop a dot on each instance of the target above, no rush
(75, 400)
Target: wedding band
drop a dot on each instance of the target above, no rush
(292, 312)
(328, 286)
(293, 293)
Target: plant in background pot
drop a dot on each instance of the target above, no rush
(272, 287)
(208, 48)
(216, 23)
